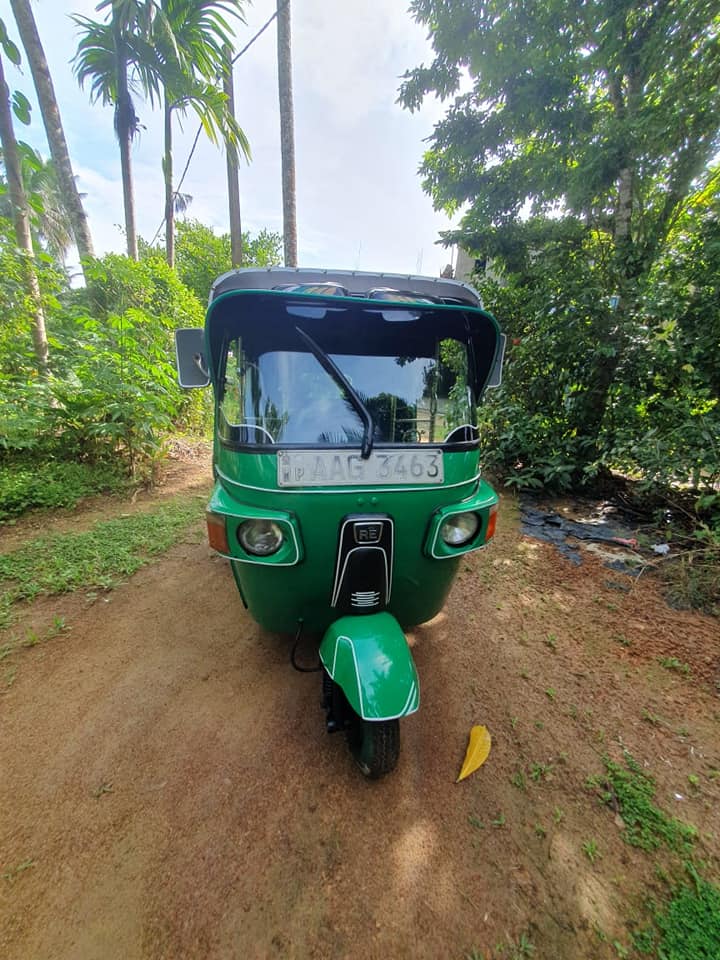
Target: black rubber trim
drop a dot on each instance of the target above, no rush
(463, 447)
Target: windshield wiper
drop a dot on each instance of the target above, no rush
(330, 367)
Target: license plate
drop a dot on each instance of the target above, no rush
(335, 468)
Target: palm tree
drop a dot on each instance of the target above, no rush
(50, 221)
(190, 39)
(116, 59)
(21, 213)
(287, 132)
(53, 125)
(231, 157)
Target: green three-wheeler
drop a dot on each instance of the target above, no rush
(347, 483)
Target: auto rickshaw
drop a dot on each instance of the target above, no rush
(347, 482)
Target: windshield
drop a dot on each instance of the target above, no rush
(272, 395)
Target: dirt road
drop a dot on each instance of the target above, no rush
(167, 789)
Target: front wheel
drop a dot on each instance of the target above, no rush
(374, 744)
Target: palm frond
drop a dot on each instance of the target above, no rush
(182, 202)
(50, 219)
(95, 60)
(192, 35)
(209, 104)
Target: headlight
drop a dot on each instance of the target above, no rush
(460, 529)
(260, 537)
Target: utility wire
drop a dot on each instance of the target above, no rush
(234, 60)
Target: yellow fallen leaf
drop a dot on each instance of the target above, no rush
(477, 751)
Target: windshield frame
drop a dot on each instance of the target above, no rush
(236, 313)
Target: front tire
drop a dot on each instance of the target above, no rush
(375, 745)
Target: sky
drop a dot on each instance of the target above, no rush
(360, 203)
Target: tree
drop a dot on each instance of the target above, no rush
(20, 210)
(287, 131)
(232, 169)
(53, 125)
(202, 256)
(113, 57)
(604, 112)
(190, 39)
(50, 222)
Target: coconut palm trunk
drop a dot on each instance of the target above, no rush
(231, 155)
(287, 132)
(167, 167)
(21, 221)
(53, 125)
(125, 127)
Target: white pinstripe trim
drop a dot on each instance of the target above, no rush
(413, 698)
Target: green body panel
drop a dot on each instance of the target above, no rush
(368, 657)
(277, 596)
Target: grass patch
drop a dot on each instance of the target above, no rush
(646, 825)
(686, 928)
(100, 557)
(690, 926)
(13, 873)
(672, 663)
(55, 484)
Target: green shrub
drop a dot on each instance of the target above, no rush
(588, 388)
(54, 484)
(113, 389)
(201, 255)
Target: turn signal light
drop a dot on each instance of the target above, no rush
(217, 532)
(492, 520)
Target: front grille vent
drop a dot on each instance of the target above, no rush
(365, 598)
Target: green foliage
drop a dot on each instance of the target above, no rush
(54, 484)
(669, 397)
(101, 557)
(25, 398)
(540, 428)
(120, 390)
(609, 291)
(672, 663)
(49, 217)
(113, 389)
(201, 255)
(566, 108)
(590, 849)
(662, 419)
(117, 284)
(688, 926)
(646, 826)
(112, 393)
(187, 41)
(9, 48)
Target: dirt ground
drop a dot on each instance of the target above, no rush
(167, 789)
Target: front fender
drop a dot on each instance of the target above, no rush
(369, 658)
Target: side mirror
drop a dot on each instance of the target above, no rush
(191, 364)
(495, 378)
